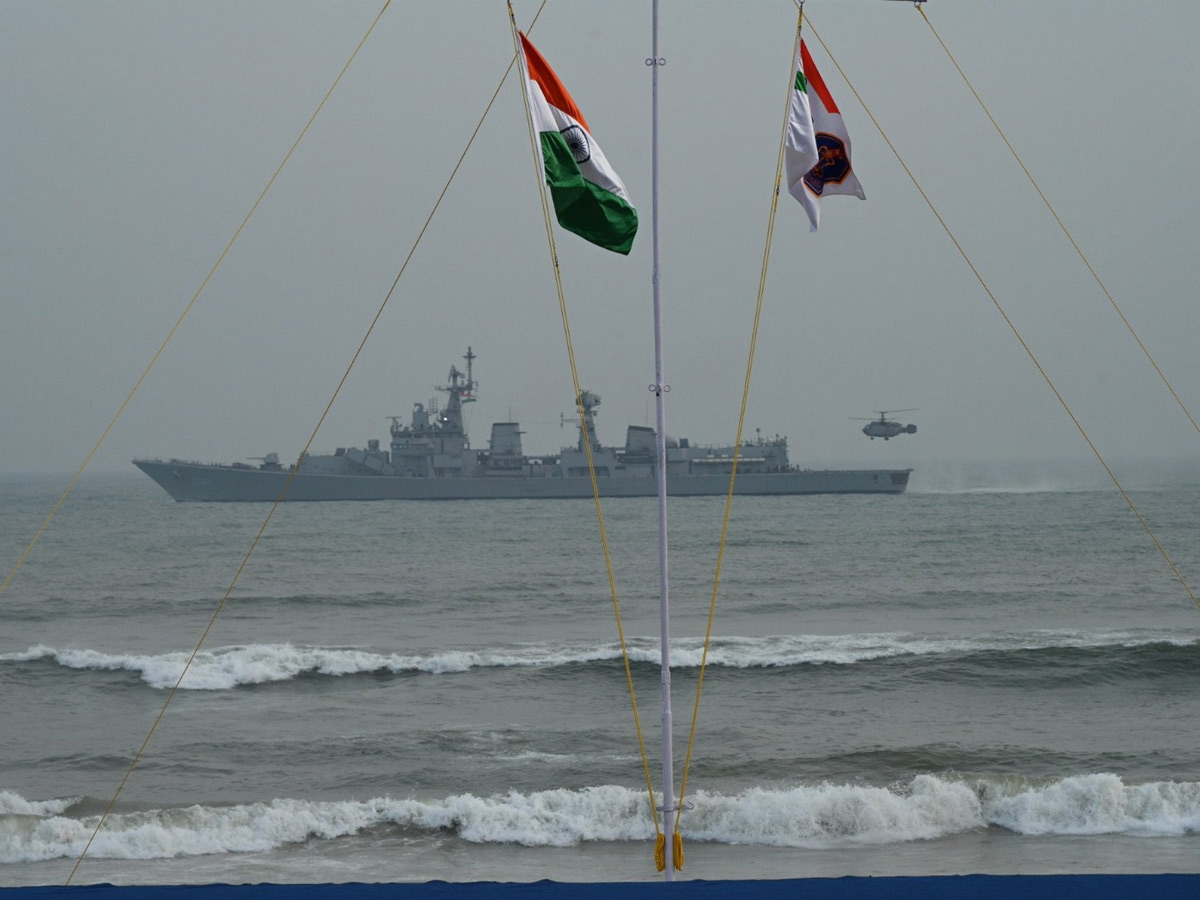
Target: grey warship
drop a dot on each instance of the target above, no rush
(430, 458)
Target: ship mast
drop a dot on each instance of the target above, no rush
(660, 388)
(470, 358)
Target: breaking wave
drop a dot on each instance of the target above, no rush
(230, 667)
(828, 815)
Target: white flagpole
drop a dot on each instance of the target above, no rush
(660, 388)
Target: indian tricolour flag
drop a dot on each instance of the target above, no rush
(817, 147)
(589, 198)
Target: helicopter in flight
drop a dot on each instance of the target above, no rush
(886, 428)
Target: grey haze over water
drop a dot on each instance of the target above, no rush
(137, 136)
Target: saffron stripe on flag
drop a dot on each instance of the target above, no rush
(553, 89)
(816, 81)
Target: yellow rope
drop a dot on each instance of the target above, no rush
(587, 443)
(188, 308)
(291, 475)
(758, 306)
(1017, 334)
(750, 365)
(1078, 250)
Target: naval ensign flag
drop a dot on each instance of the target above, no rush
(817, 149)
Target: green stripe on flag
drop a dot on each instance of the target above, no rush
(582, 207)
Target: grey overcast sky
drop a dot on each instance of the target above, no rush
(137, 134)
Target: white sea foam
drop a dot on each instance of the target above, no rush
(1095, 804)
(229, 667)
(827, 815)
(14, 804)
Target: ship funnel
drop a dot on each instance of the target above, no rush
(639, 440)
(506, 439)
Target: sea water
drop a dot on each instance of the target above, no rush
(966, 680)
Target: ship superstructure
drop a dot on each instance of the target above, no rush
(430, 458)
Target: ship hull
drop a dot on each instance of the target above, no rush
(199, 482)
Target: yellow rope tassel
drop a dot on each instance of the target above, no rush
(660, 851)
